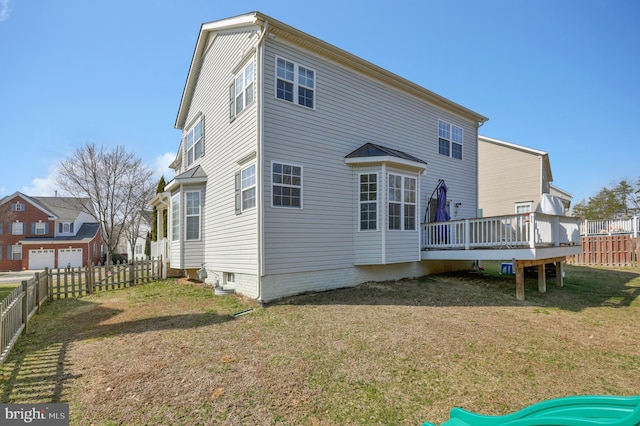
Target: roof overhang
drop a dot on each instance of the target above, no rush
(306, 41)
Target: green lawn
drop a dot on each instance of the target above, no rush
(6, 289)
(390, 353)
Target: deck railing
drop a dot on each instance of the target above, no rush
(611, 226)
(512, 231)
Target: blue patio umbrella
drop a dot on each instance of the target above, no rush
(441, 209)
(441, 213)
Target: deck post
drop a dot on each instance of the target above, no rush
(542, 278)
(467, 234)
(519, 280)
(560, 273)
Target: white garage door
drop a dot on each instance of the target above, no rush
(41, 258)
(69, 257)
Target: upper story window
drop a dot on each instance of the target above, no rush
(241, 91)
(18, 207)
(286, 185)
(449, 140)
(40, 228)
(193, 215)
(402, 202)
(295, 83)
(368, 202)
(65, 227)
(195, 142)
(175, 217)
(17, 228)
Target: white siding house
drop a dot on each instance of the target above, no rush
(312, 167)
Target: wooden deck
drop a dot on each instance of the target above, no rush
(530, 239)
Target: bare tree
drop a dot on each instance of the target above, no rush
(115, 180)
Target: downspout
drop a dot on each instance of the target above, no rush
(259, 168)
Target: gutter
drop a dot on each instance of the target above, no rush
(259, 156)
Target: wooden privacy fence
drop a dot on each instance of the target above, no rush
(608, 250)
(18, 308)
(25, 300)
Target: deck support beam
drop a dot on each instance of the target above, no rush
(519, 266)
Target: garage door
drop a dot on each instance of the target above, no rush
(69, 257)
(41, 258)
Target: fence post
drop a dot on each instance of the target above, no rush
(90, 278)
(25, 305)
(132, 272)
(37, 292)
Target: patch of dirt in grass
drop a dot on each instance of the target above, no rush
(396, 353)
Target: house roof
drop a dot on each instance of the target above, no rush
(263, 23)
(86, 233)
(543, 154)
(65, 208)
(370, 151)
(191, 176)
(373, 150)
(59, 208)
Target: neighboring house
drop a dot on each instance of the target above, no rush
(303, 167)
(53, 232)
(124, 244)
(516, 179)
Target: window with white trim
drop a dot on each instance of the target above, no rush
(241, 93)
(368, 202)
(17, 228)
(286, 185)
(175, 217)
(248, 176)
(195, 142)
(40, 228)
(295, 83)
(18, 207)
(523, 208)
(193, 215)
(450, 140)
(230, 278)
(15, 252)
(402, 202)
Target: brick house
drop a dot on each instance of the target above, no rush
(54, 232)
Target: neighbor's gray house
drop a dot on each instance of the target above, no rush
(516, 179)
(303, 167)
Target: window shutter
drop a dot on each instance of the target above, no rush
(238, 194)
(24, 228)
(1, 228)
(71, 227)
(232, 101)
(46, 228)
(33, 228)
(13, 207)
(9, 252)
(60, 227)
(0, 252)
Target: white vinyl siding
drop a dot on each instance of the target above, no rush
(228, 240)
(321, 237)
